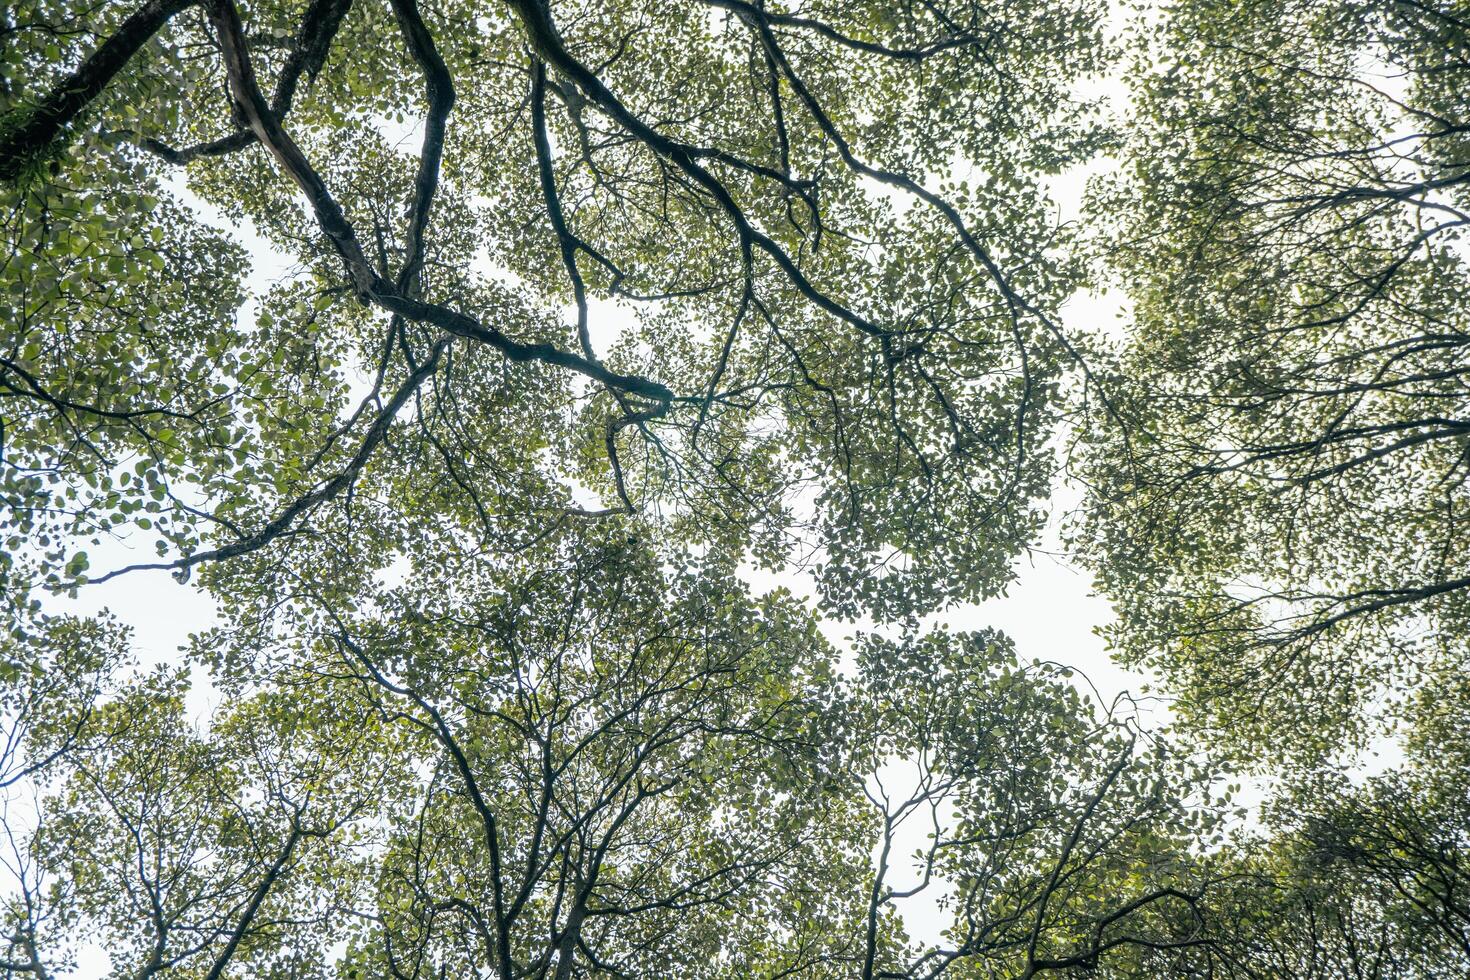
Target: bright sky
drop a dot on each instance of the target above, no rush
(1050, 611)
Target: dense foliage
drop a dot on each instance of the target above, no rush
(476, 360)
(1282, 526)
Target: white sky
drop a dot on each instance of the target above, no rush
(1050, 611)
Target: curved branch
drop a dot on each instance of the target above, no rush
(309, 50)
(545, 41)
(370, 286)
(441, 100)
(326, 491)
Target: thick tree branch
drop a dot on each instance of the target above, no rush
(34, 132)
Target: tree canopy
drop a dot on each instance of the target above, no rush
(1282, 527)
(478, 361)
